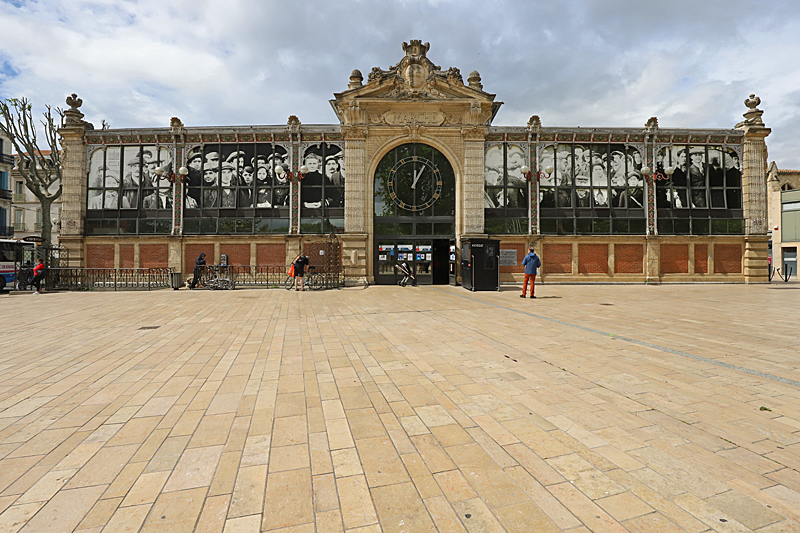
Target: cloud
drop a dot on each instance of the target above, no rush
(614, 63)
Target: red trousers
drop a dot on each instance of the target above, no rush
(532, 278)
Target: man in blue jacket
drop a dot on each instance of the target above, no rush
(531, 264)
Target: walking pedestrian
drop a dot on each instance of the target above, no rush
(39, 272)
(300, 268)
(199, 263)
(531, 264)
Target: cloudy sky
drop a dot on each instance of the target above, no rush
(136, 63)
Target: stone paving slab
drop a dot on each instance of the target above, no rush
(387, 409)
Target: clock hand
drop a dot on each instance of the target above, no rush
(416, 177)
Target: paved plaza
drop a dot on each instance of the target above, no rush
(592, 408)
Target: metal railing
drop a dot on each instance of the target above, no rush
(19, 197)
(113, 279)
(265, 276)
(20, 226)
(6, 159)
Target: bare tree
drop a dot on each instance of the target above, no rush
(41, 170)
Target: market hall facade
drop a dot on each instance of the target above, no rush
(413, 167)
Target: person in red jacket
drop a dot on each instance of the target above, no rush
(39, 272)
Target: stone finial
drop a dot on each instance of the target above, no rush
(293, 124)
(534, 124)
(72, 116)
(651, 126)
(753, 114)
(356, 79)
(474, 80)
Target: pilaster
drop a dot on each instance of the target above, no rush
(355, 186)
(73, 179)
(652, 260)
(472, 188)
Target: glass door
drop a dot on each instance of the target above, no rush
(423, 257)
(385, 272)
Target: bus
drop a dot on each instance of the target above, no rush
(9, 249)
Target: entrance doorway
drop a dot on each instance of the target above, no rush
(414, 215)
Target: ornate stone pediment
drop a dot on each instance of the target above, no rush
(432, 96)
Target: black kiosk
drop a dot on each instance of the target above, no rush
(480, 264)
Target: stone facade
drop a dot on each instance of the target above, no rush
(417, 102)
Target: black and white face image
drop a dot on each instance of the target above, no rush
(226, 176)
(210, 177)
(493, 166)
(312, 161)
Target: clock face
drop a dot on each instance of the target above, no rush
(415, 183)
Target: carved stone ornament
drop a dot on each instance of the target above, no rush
(534, 124)
(651, 126)
(473, 133)
(355, 79)
(293, 124)
(474, 80)
(414, 131)
(72, 116)
(176, 126)
(415, 76)
(753, 114)
(355, 133)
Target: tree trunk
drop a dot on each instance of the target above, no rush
(47, 225)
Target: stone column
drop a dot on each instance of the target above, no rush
(472, 202)
(754, 193)
(652, 267)
(73, 180)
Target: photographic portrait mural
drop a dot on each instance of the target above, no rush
(703, 195)
(125, 195)
(505, 191)
(231, 188)
(322, 189)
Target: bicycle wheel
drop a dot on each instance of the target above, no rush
(316, 282)
(289, 283)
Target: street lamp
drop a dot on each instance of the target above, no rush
(171, 176)
(283, 168)
(539, 175)
(669, 171)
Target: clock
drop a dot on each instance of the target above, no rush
(415, 183)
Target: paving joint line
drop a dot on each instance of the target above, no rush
(722, 364)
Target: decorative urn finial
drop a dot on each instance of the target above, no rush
(474, 80)
(356, 79)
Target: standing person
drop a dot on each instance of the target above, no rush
(198, 264)
(39, 272)
(531, 264)
(300, 268)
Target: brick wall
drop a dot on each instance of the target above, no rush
(153, 256)
(193, 251)
(126, 256)
(271, 254)
(557, 259)
(99, 256)
(593, 259)
(674, 258)
(727, 259)
(701, 259)
(628, 258)
(238, 254)
(521, 253)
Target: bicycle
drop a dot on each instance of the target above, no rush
(314, 280)
(218, 283)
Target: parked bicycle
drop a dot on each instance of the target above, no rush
(219, 283)
(314, 280)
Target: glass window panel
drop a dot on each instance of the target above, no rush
(515, 160)
(620, 225)
(716, 173)
(95, 198)
(566, 226)
(424, 228)
(333, 225)
(547, 197)
(665, 226)
(405, 229)
(191, 225)
(493, 166)
(719, 227)
(717, 198)
(494, 226)
(700, 226)
(601, 226)
(163, 225)
(584, 225)
(244, 225)
(147, 226)
(734, 197)
(517, 226)
(384, 228)
(311, 226)
(443, 229)
(208, 225)
(563, 197)
(583, 198)
(637, 226)
(681, 226)
(101, 227)
(227, 225)
(127, 226)
(547, 225)
(736, 227)
(733, 174)
(563, 168)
